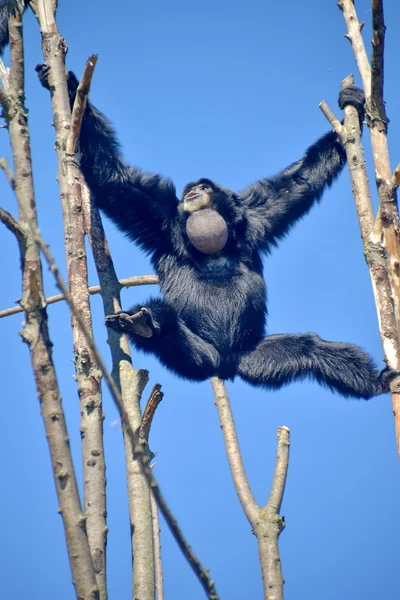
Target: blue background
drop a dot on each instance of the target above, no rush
(229, 91)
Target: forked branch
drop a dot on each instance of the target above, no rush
(266, 521)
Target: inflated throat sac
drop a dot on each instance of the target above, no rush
(207, 231)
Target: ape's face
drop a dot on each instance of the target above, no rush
(205, 227)
(197, 196)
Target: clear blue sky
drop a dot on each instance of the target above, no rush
(229, 91)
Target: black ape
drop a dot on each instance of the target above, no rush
(206, 250)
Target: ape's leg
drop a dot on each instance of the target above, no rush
(158, 330)
(280, 359)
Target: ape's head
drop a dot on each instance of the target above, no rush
(197, 195)
(208, 209)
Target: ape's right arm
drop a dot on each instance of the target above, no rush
(143, 205)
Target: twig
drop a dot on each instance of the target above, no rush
(333, 120)
(94, 289)
(6, 169)
(14, 226)
(266, 522)
(36, 334)
(80, 104)
(155, 398)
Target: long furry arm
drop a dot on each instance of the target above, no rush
(273, 205)
(143, 205)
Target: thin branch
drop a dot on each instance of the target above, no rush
(6, 170)
(330, 115)
(354, 36)
(131, 383)
(266, 522)
(281, 469)
(155, 398)
(227, 423)
(383, 259)
(144, 431)
(157, 550)
(88, 375)
(14, 226)
(377, 64)
(80, 104)
(36, 334)
(94, 289)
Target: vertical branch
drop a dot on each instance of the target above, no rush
(383, 257)
(88, 375)
(266, 521)
(131, 384)
(377, 122)
(35, 332)
(373, 250)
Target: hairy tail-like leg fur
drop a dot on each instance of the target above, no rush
(175, 345)
(345, 368)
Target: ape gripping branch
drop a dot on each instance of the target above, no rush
(380, 234)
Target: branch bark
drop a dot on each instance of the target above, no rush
(94, 289)
(131, 384)
(266, 521)
(35, 333)
(377, 122)
(382, 241)
(88, 375)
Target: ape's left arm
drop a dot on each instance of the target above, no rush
(273, 205)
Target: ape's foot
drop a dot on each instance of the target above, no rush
(138, 323)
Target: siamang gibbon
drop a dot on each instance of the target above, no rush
(207, 251)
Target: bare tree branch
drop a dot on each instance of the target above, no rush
(374, 251)
(266, 522)
(157, 550)
(6, 169)
(131, 384)
(155, 398)
(35, 332)
(137, 448)
(12, 225)
(94, 289)
(383, 259)
(377, 65)
(88, 375)
(80, 104)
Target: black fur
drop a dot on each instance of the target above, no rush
(211, 320)
(6, 6)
